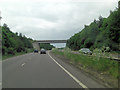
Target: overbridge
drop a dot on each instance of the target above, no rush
(37, 42)
(51, 41)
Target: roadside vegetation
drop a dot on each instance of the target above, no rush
(46, 46)
(10, 55)
(97, 63)
(103, 66)
(102, 38)
(13, 43)
(101, 33)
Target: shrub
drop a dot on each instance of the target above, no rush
(105, 49)
(11, 51)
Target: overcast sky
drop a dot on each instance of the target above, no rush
(52, 19)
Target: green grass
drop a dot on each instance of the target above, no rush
(98, 64)
(6, 56)
(9, 55)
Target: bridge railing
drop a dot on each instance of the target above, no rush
(51, 41)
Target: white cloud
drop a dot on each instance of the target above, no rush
(52, 19)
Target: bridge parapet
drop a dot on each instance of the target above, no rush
(37, 42)
(51, 41)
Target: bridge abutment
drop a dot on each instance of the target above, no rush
(36, 45)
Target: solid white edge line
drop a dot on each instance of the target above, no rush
(80, 83)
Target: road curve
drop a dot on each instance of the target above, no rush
(36, 70)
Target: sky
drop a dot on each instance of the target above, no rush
(52, 19)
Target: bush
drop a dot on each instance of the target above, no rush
(19, 49)
(11, 51)
(105, 49)
(4, 50)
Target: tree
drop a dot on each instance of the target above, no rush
(12, 43)
(104, 32)
(46, 46)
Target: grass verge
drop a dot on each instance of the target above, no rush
(6, 56)
(9, 55)
(106, 69)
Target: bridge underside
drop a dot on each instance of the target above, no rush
(37, 42)
(51, 41)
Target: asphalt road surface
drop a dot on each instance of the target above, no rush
(36, 70)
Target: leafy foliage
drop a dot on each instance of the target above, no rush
(91, 62)
(12, 43)
(46, 46)
(102, 32)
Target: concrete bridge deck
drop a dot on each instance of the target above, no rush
(37, 42)
(51, 41)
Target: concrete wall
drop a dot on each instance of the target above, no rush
(36, 45)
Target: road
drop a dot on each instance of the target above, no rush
(43, 71)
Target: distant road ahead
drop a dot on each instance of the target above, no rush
(34, 70)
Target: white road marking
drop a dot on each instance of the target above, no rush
(23, 64)
(80, 83)
(0, 84)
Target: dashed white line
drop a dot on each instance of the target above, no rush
(23, 64)
(80, 83)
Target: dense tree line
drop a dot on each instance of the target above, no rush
(100, 33)
(14, 42)
(46, 46)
